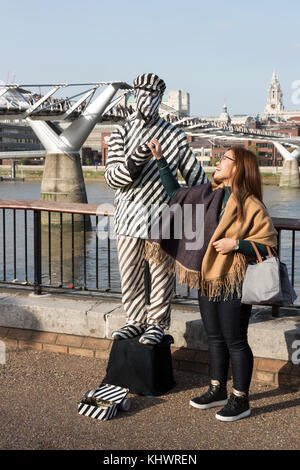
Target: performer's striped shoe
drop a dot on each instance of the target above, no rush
(128, 331)
(152, 335)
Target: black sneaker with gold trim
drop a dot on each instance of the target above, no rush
(236, 408)
(215, 396)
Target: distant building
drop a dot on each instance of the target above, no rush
(274, 105)
(104, 146)
(179, 100)
(17, 137)
(266, 152)
(224, 116)
(289, 128)
(90, 156)
(245, 120)
(201, 148)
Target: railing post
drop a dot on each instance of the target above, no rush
(37, 246)
(275, 310)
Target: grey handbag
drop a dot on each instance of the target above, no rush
(266, 282)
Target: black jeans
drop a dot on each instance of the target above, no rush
(226, 324)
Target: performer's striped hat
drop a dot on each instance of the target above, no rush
(149, 81)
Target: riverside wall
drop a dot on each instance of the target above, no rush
(270, 174)
(83, 326)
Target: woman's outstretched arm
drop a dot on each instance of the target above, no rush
(168, 180)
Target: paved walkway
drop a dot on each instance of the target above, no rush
(38, 408)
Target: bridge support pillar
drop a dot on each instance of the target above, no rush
(290, 174)
(63, 178)
(63, 182)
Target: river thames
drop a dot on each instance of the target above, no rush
(280, 202)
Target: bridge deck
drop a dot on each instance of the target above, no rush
(50, 115)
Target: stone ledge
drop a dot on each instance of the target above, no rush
(269, 371)
(83, 326)
(55, 313)
(97, 318)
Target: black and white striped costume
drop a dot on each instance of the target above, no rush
(140, 197)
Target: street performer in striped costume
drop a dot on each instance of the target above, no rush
(140, 198)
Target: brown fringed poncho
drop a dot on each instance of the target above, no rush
(213, 274)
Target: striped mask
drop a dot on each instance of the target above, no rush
(148, 89)
(147, 102)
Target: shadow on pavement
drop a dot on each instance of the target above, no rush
(275, 406)
(139, 403)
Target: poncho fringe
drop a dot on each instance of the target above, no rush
(216, 289)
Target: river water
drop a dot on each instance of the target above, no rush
(280, 203)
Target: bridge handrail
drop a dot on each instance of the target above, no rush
(280, 223)
(283, 223)
(64, 207)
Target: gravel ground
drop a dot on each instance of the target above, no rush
(38, 409)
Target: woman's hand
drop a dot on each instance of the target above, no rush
(224, 245)
(155, 148)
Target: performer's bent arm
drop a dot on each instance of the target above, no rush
(117, 173)
(189, 166)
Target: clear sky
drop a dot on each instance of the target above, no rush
(215, 50)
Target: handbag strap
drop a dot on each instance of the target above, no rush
(275, 252)
(258, 253)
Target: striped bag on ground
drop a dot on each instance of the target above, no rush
(103, 402)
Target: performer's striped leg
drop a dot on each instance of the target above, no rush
(128, 331)
(162, 291)
(132, 266)
(153, 335)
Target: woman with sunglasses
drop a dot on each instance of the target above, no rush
(234, 215)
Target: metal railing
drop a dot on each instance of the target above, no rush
(52, 238)
(43, 249)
